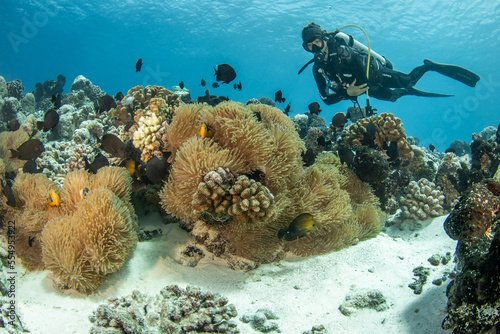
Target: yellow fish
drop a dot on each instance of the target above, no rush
(205, 131)
(301, 226)
(130, 166)
(54, 199)
(83, 192)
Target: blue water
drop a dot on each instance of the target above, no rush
(184, 40)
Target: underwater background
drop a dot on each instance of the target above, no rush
(184, 40)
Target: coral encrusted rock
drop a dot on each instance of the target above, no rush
(423, 201)
(174, 310)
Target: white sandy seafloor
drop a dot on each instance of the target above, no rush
(301, 292)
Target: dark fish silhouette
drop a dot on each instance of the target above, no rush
(215, 85)
(308, 157)
(30, 149)
(119, 96)
(31, 167)
(314, 108)
(30, 241)
(13, 124)
(181, 84)
(156, 169)
(301, 226)
(203, 82)
(106, 102)
(237, 86)
(432, 148)
(8, 193)
(322, 141)
(392, 151)
(138, 65)
(278, 97)
(339, 120)
(258, 115)
(286, 111)
(113, 145)
(369, 136)
(346, 156)
(57, 101)
(49, 121)
(224, 73)
(99, 161)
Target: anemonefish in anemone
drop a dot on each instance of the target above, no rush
(205, 131)
(54, 199)
(83, 192)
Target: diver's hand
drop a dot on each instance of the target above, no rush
(353, 90)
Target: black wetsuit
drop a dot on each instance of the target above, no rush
(344, 64)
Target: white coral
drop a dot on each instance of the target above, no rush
(423, 201)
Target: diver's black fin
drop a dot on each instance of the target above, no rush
(418, 92)
(455, 72)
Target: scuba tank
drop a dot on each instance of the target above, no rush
(361, 48)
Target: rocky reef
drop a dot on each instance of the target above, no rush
(474, 294)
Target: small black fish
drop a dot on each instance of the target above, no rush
(181, 84)
(308, 157)
(392, 151)
(346, 156)
(99, 161)
(237, 86)
(31, 167)
(369, 136)
(156, 169)
(203, 82)
(286, 111)
(314, 108)
(450, 150)
(432, 148)
(339, 120)
(278, 97)
(301, 226)
(57, 101)
(207, 93)
(224, 73)
(215, 85)
(258, 115)
(13, 124)
(49, 121)
(30, 241)
(106, 102)
(30, 149)
(113, 145)
(119, 96)
(8, 193)
(322, 141)
(138, 65)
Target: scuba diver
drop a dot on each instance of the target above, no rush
(340, 69)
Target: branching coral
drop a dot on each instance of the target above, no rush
(262, 153)
(424, 200)
(387, 129)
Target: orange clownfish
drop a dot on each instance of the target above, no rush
(83, 192)
(205, 131)
(54, 199)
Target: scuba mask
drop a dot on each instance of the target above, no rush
(314, 48)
